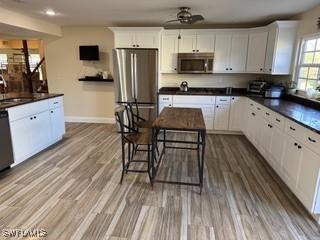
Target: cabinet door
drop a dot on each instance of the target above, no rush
(221, 117)
(146, 40)
(291, 161)
(257, 51)
(222, 53)
(265, 137)
(57, 123)
(21, 133)
(187, 43)
(277, 145)
(169, 56)
(268, 66)
(251, 122)
(125, 40)
(308, 178)
(238, 53)
(41, 130)
(236, 114)
(205, 43)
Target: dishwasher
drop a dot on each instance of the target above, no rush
(6, 153)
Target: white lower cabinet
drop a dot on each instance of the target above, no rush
(58, 128)
(36, 129)
(276, 148)
(237, 110)
(221, 117)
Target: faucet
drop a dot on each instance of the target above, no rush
(5, 85)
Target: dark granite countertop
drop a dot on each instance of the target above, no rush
(26, 98)
(203, 91)
(295, 109)
(306, 116)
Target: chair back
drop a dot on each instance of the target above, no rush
(124, 119)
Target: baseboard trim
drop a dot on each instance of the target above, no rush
(89, 119)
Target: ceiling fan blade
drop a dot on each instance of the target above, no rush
(196, 18)
(176, 20)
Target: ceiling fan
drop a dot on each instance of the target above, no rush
(184, 16)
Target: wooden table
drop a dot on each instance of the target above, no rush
(182, 120)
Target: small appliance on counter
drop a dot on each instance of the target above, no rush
(258, 87)
(274, 91)
(184, 86)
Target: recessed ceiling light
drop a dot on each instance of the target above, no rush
(50, 12)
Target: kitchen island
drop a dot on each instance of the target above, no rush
(36, 122)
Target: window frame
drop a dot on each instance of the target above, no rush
(299, 57)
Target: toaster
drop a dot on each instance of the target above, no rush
(274, 91)
(258, 87)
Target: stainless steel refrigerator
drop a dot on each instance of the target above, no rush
(135, 77)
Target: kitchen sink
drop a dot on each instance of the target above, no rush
(15, 100)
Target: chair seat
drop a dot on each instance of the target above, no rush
(140, 138)
(145, 124)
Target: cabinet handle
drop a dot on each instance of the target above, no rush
(253, 114)
(261, 69)
(133, 45)
(175, 68)
(222, 100)
(293, 129)
(55, 102)
(197, 50)
(258, 108)
(278, 120)
(217, 106)
(270, 69)
(251, 104)
(35, 117)
(296, 144)
(271, 126)
(227, 69)
(230, 69)
(138, 45)
(268, 114)
(311, 140)
(193, 50)
(232, 98)
(51, 111)
(31, 118)
(299, 147)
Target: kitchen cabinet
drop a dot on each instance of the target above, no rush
(237, 109)
(265, 138)
(145, 37)
(257, 51)
(230, 52)
(221, 115)
(277, 147)
(58, 128)
(280, 47)
(169, 53)
(35, 126)
(196, 41)
(308, 179)
(164, 101)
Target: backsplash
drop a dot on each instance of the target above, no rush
(214, 80)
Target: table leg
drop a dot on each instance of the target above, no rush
(203, 147)
(199, 160)
(152, 156)
(164, 141)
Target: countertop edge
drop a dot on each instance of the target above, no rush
(36, 99)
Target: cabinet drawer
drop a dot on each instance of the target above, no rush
(194, 99)
(277, 120)
(295, 130)
(55, 102)
(28, 109)
(223, 100)
(312, 140)
(165, 99)
(207, 110)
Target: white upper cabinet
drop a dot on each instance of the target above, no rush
(169, 53)
(196, 41)
(280, 47)
(257, 51)
(136, 37)
(222, 53)
(238, 54)
(230, 52)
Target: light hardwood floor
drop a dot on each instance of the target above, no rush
(72, 190)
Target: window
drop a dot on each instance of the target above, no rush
(3, 61)
(308, 68)
(34, 60)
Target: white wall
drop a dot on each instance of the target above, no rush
(208, 80)
(84, 101)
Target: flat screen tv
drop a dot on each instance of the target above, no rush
(89, 53)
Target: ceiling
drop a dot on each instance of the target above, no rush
(156, 13)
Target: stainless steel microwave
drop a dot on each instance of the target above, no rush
(195, 63)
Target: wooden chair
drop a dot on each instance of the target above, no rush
(131, 137)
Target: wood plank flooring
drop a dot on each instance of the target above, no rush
(72, 191)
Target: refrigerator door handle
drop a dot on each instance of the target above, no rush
(132, 75)
(135, 77)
